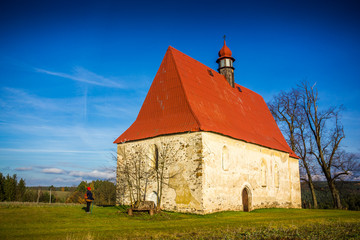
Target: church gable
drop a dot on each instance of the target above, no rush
(165, 109)
(187, 96)
(221, 145)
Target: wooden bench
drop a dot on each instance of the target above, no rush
(143, 206)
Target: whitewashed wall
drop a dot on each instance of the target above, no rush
(224, 182)
(212, 170)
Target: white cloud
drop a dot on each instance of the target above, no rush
(356, 178)
(47, 138)
(53, 170)
(20, 104)
(23, 168)
(349, 177)
(72, 180)
(94, 174)
(318, 177)
(19, 96)
(83, 75)
(113, 111)
(36, 116)
(46, 151)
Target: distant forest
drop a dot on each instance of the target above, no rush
(14, 190)
(349, 192)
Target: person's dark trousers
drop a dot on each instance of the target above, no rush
(88, 206)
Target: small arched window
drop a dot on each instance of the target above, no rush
(225, 158)
(263, 173)
(154, 157)
(276, 175)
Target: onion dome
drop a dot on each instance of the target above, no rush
(225, 51)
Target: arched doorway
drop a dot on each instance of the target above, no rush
(245, 200)
(152, 197)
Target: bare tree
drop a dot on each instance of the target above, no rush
(123, 179)
(302, 144)
(164, 158)
(140, 166)
(134, 174)
(288, 112)
(327, 133)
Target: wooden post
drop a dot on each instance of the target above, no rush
(130, 212)
(38, 197)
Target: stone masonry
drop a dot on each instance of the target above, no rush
(207, 172)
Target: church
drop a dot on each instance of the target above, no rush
(224, 149)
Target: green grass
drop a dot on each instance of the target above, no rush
(31, 221)
(61, 194)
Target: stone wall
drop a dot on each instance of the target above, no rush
(183, 173)
(270, 176)
(209, 172)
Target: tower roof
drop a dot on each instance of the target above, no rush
(225, 52)
(187, 96)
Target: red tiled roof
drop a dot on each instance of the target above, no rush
(187, 96)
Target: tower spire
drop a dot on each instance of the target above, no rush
(225, 62)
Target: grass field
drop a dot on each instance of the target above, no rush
(61, 194)
(60, 221)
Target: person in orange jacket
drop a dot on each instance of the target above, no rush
(88, 198)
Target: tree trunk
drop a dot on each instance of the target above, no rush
(146, 183)
(311, 184)
(131, 198)
(331, 183)
(312, 189)
(158, 187)
(335, 195)
(38, 196)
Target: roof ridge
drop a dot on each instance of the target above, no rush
(186, 97)
(182, 87)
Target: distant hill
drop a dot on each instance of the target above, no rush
(349, 192)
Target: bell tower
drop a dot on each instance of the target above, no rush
(225, 62)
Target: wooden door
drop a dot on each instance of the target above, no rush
(245, 200)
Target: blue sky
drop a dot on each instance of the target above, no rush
(73, 74)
